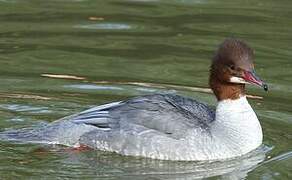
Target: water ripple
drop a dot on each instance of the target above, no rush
(25, 108)
(92, 87)
(106, 26)
(280, 157)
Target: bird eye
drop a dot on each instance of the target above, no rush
(232, 67)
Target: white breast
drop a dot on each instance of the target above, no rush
(236, 130)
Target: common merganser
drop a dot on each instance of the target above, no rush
(167, 126)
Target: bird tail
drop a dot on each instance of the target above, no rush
(24, 135)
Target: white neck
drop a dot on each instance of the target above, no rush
(236, 128)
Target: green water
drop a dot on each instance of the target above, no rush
(153, 41)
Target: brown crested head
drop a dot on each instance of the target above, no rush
(232, 67)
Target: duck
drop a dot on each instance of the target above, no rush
(169, 126)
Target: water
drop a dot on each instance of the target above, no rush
(110, 48)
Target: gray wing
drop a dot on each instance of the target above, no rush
(165, 113)
(124, 127)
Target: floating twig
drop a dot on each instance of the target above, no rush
(164, 86)
(143, 84)
(23, 96)
(63, 76)
(95, 18)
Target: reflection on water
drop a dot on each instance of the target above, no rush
(17, 119)
(120, 89)
(61, 57)
(25, 108)
(148, 90)
(105, 26)
(93, 87)
(149, 168)
(104, 165)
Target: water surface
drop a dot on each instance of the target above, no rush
(104, 45)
